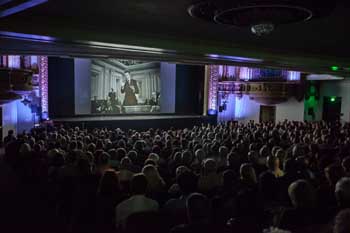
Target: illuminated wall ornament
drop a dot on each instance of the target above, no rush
(245, 73)
(229, 80)
(293, 76)
(214, 74)
(14, 61)
(44, 92)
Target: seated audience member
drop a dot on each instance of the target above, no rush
(154, 157)
(247, 176)
(291, 174)
(342, 222)
(198, 216)
(124, 174)
(102, 163)
(137, 203)
(346, 166)
(176, 208)
(113, 162)
(342, 193)
(268, 183)
(273, 163)
(199, 156)
(224, 201)
(232, 163)
(174, 189)
(109, 195)
(209, 181)
(134, 166)
(156, 184)
(248, 207)
(84, 196)
(253, 158)
(187, 158)
(333, 173)
(222, 158)
(303, 213)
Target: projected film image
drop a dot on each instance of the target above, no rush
(125, 86)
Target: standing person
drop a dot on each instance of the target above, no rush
(113, 100)
(130, 89)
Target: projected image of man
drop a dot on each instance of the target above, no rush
(130, 89)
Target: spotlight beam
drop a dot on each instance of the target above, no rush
(18, 8)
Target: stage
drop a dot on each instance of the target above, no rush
(142, 122)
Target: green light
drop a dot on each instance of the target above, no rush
(334, 68)
(332, 99)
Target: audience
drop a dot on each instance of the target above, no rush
(215, 178)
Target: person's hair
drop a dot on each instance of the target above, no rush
(247, 173)
(126, 72)
(342, 192)
(209, 166)
(200, 154)
(57, 159)
(264, 151)
(223, 151)
(154, 157)
(91, 147)
(73, 145)
(346, 164)
(229, 178)
(302, 194)
(181, 169)
(139, 184)
(103, 159)
(153, 178)
(187, 157)
(187, 182)
(83, 166)
(271, 162)
(37, 148)
(132, 155)
(150, 162)
(253, 156)
(177, 157)
(290, 166)
(297, 151)
(334, 172)
(342, 222)
(109, 184)
(125, 163)
(113, 154)
(198, 208)
(25, 149)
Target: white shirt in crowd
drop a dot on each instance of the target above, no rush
(135, 204)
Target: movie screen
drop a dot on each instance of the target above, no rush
(125, 86)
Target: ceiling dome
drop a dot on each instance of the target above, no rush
(262, 16)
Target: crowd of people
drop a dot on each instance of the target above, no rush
(229, 177)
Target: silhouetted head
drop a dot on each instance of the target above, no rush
(139, 184)
(198, 208)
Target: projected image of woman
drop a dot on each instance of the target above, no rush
(130, 89)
